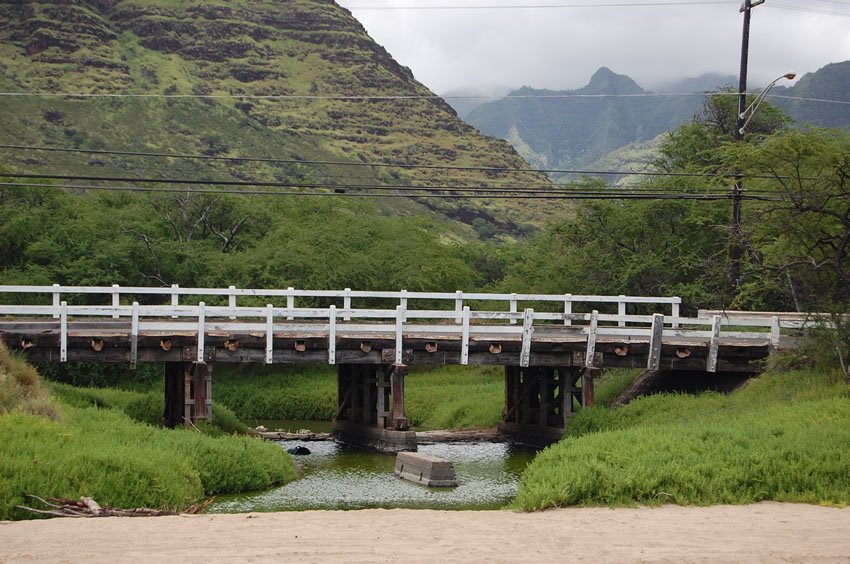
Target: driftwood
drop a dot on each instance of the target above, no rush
(88, 507)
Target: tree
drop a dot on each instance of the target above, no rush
(802, 239)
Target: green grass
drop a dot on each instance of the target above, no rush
(21, 388)
(455, 397)
(300, 392)
(95, 442)
(445, 398)
(784, 437)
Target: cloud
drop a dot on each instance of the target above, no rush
(559, 48)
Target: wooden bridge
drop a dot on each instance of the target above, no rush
(551, 345)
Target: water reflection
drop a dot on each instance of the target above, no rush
(340, 477)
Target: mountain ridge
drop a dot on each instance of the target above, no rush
(573, 129)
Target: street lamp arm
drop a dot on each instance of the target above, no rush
(751, 109)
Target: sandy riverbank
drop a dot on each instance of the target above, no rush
(761, 532)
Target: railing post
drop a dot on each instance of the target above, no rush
(714, 345)
(513, 307)
(399, 340)
(527, 332)
(653, 363)
(231, 302)
(464, 343)
(332, 335)
(403, 303)
(621, 310)
(56, 303)
(677, 311)
(568, 308)
(63, 332)
(134, 336)
(290, 301)
(202, 312)
(175, 299)
(775, 332)
(590, 352)
(269, 334)
(116, 300)
(458, 305)
(346, 304)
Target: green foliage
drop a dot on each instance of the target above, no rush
(668, 247)
(143, 407)
(102, 453)
(801, 242)
(21, 388)
(444, 398)
(781, 438)
(302, 392)
(100, 448)
(455, 397)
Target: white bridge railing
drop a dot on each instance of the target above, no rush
(399, 317)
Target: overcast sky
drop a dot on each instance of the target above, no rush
(559, 48)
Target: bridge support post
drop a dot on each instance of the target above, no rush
(174, 394)
(364, 418)
(539, 401)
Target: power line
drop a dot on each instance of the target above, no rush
(484, 195)
(398, 97)
(810, 10)
(541, 6)
(382, 165)
(326, 185)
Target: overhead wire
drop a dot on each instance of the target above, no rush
(333, 193)
(385, 165)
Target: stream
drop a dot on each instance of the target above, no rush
(336, 476)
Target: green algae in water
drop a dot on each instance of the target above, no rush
(340, 477)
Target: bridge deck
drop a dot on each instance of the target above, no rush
(223, 340)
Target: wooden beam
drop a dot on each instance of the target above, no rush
(399, 419)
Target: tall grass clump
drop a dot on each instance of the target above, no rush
(21, 388)
(784, 437)
(98, 445)
(144, 407)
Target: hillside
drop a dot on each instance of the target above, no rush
(831, 82)
(201, 74)
(567, 129)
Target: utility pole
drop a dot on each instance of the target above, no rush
(736, 244)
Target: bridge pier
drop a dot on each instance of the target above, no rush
(539, 401)
(188, 393)
(370, 408)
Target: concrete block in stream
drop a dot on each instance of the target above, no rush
(425, 469)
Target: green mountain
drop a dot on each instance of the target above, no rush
(831, 82)
(286, 79)
(573, 128)
(576, 129)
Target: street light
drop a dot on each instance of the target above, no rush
(748, 113)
